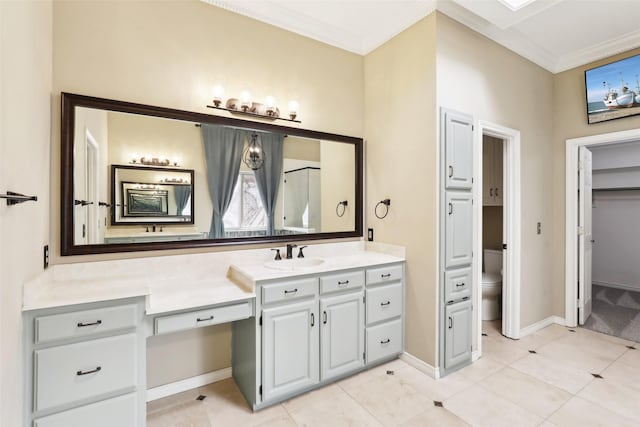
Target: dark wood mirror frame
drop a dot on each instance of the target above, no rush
(70, 101)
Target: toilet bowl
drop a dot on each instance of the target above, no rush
(492, 284)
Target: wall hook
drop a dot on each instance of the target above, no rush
(344, 204)
(15, 198)
(385, 202)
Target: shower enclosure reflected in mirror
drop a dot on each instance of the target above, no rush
(178, 180)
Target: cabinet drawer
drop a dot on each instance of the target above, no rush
(84, 323)
(384, 302)
(384, 274)
(384, 340)
(120, 411)
(198, 319)
(289, 290)
(457, 284)
(73, 372)
(341, 281)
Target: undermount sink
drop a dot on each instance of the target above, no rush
(294, 264)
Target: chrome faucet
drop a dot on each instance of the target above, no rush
(290, 250)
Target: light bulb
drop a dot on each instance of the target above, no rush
(218, 93)
(293, 107)
(245, 98)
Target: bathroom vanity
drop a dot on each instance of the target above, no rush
(296, 325)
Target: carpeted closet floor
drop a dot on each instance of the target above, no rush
(615, 312)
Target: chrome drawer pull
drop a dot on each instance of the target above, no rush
(387, 341)
(97, 322)
(204, 319)
(385, 303)
(459, 285)
(291, 292)
(346, 282)
(385, 276)
(79, 373)
(324, 322)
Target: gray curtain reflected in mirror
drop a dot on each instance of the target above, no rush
(182, 193)
(268, 176)
(223, 153)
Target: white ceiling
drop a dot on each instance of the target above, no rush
(555, 34)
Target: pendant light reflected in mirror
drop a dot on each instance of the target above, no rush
(253, 155)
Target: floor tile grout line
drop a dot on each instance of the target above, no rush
(362, 406)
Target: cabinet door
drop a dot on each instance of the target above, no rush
(458, 139)
(497, 172)
(488, 173)
(290, 351)
(458, 334)
(342, 334)
(458, 229)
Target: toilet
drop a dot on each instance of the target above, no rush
(491, 284)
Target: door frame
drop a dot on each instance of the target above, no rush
(571, 212)
(511, 227)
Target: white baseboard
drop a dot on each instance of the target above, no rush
(541, 325)
(420, 365)
(623, 286)
(187, 384)
(475, 355)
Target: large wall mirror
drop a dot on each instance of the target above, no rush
(137, 177)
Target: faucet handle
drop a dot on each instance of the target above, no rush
(300, 254)
(278, 257)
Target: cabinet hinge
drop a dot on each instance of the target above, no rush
(363, 299)
(260, 390)
(260, 320)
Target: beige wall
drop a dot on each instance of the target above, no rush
(482, 78)
(492, 227)
(25, 111)
(400, 122)
(171, 54)
(570, 121)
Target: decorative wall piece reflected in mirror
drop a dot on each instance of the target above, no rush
(148, 195)
(213, 198)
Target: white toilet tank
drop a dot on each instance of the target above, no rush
(492, 261)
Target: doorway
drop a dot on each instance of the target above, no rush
(497, 221)
(578, 243)
(602, 238)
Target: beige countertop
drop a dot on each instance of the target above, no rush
(181, 282)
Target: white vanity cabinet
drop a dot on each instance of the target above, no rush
(385, 308)
(290, 340)
(85, 365)
(342, 324)
(313, 329)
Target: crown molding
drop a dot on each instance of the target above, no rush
(299, 23)
(600, 51)
(502, 33)
(509, 38)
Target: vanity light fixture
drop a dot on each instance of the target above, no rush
(174, 180)
(244, 105)
(253, 155)
(150, 160)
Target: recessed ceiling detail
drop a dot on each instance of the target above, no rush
(555, 34)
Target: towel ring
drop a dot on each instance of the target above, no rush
(385, 202)
(344, 204)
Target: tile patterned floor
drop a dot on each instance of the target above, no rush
(555, 385)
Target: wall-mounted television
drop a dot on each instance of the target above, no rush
(613, 90)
